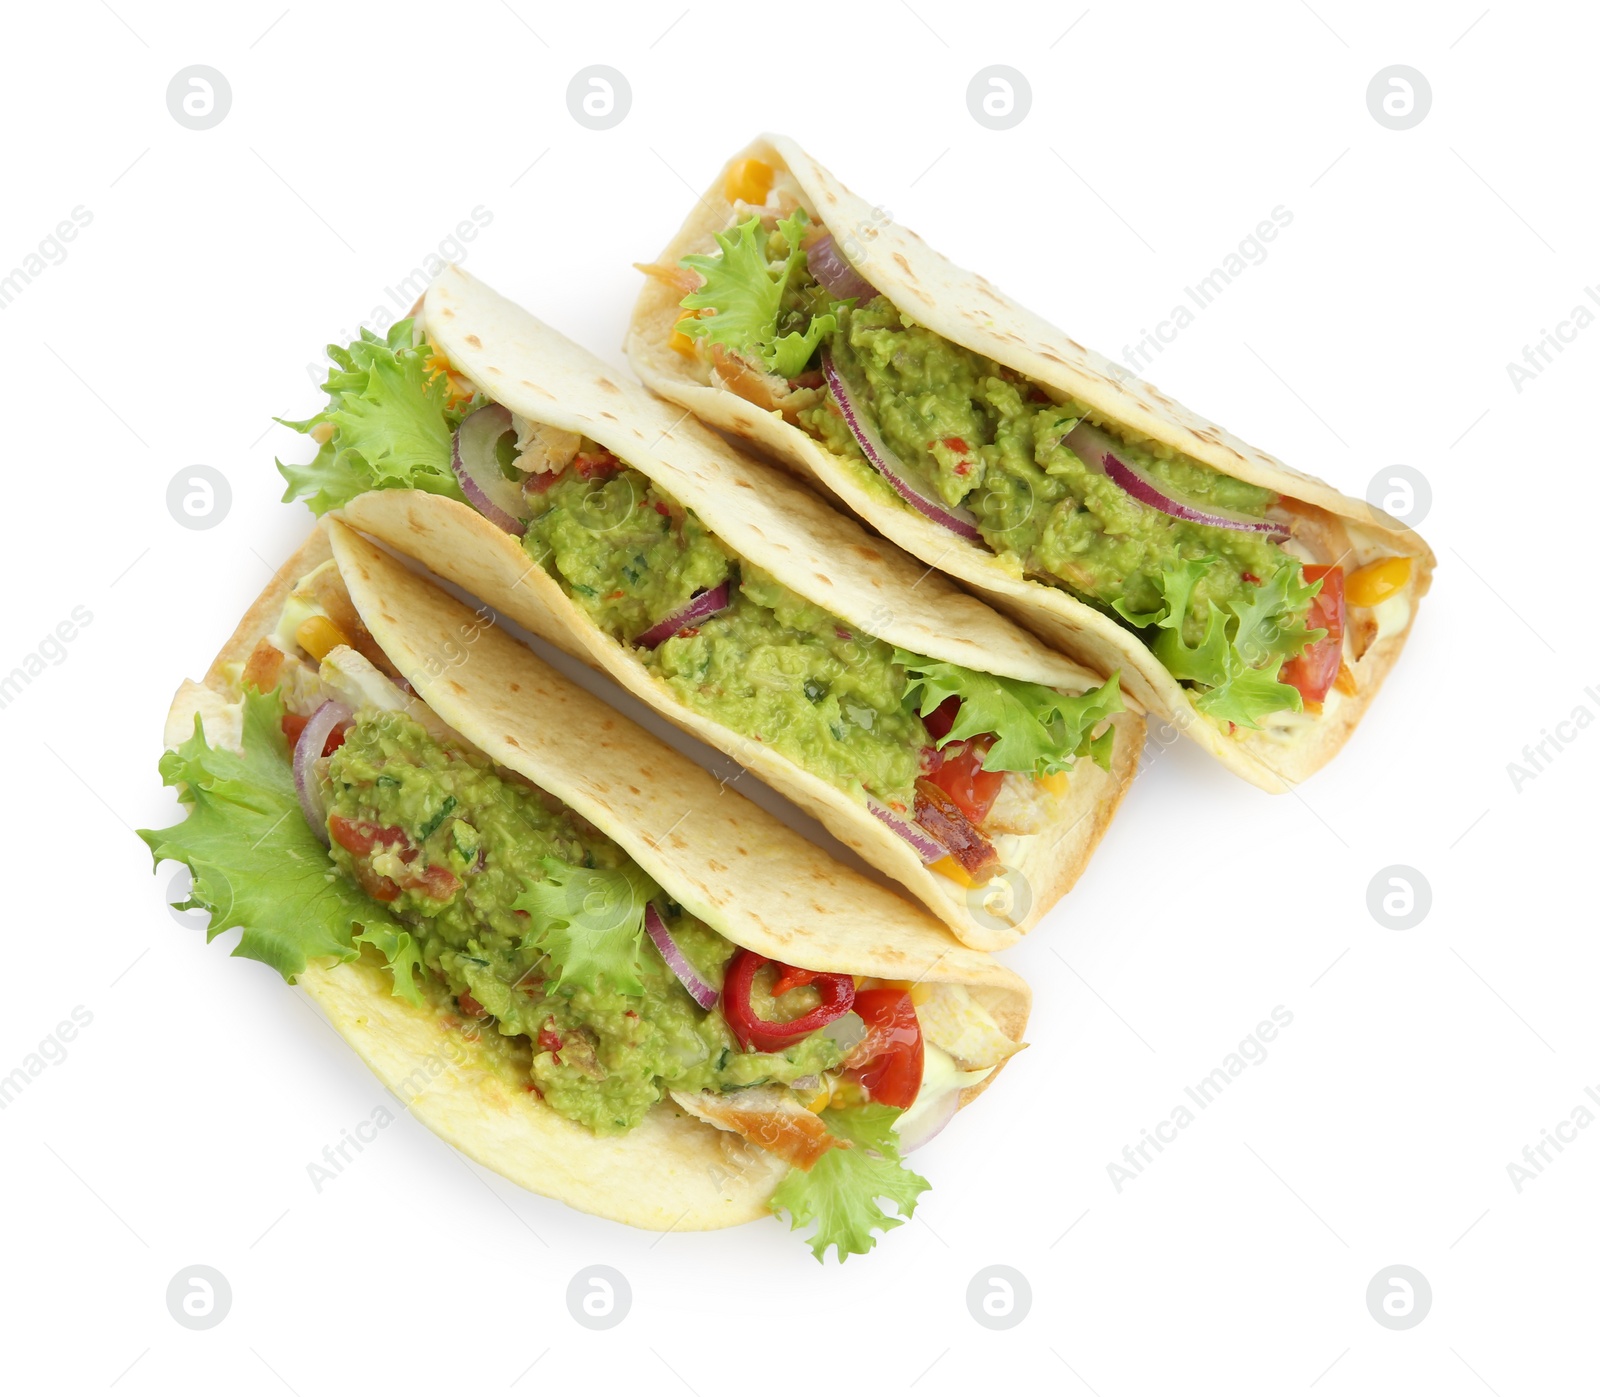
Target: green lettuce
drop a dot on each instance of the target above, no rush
(391, 424)
(257, 865)
(841, 1191)
(590, 921)
(1242, 650)
(1036, 729)
(746, 293)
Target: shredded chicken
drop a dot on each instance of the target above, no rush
(1022, 807)
(543, 449)
(766, 1116)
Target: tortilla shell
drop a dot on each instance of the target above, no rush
(723, 858)
(965, 308)
(808, 546)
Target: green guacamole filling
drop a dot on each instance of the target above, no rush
(771, 666)
(1223, 609)
(601, 1056)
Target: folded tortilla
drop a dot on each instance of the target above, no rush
(715, 853)
(965, 308)
(809, 547)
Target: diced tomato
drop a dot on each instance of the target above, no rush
(469, 1005)
(888, 1060)
(539, 482)
(956, 444)
(549, 1039)
(595, 465)
(960, 775)
(1313, 671)
(1249, 577)
(361, 837)
(943, 718)
(293, 725)
(663, 510)
(435, 881)
(375, 885)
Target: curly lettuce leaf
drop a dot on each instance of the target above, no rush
(590, 921)
(744, 291)
(841, 1191)
(1242, 650)
(1036, 729)
(256, 864)
(391, 424)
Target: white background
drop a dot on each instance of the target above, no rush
(1419, 1063)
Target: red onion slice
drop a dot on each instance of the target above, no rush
(928, 848)
(930, 1123)
(888, 465)
(477, 468)
(1097, 450)
(705, 605)
(839, 279)
(313, 738)
(677, 962)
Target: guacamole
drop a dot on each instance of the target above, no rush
(452, 847)
(771, 666)
(991, 441)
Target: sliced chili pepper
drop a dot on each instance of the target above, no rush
(939, 814)
(790, 977)
(838, 993)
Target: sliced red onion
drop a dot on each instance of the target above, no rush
(928, 848)
(888, 465)
(929, 1123)
(677, 962)
(477, 468)
(313, 738)
(839, 279)
(1097, 450)
(705, 605)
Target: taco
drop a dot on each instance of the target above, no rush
(569, 951)
(1253, 606)
(950, 748)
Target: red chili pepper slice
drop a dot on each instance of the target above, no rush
(838, 994)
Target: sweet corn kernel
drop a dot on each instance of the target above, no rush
(1377, 581)
(748, 179)
(951, 869)
(317, 635)
(681, 342)
(1055, 783)
(819, 1102)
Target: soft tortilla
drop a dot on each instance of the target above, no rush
(964, 307)
(717, 854)
(808, 546)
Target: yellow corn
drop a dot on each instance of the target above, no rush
(322, 433)
(317, 635)
(1377, 581)
(951, 869)
(680, 341)
(820, 1101)
(748, 179)
(1056, 783)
